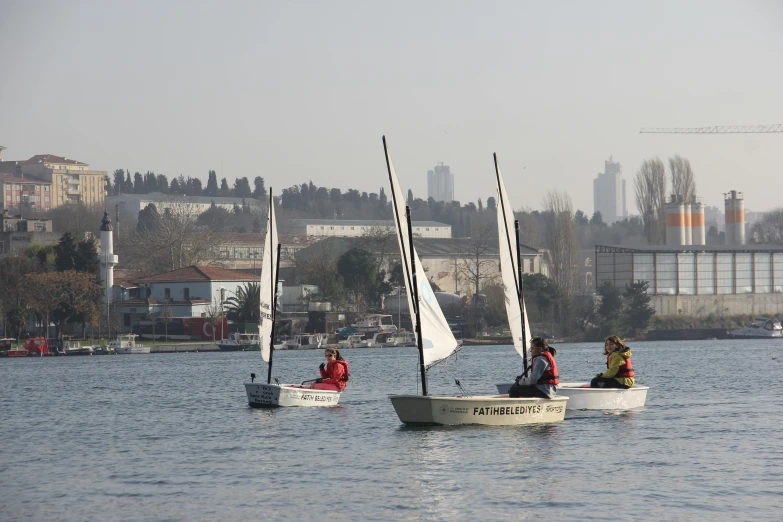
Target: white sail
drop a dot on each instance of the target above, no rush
(267, 286)
(515, 306)
(437, 340)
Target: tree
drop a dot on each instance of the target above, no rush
(581, 218)
(683, 182)
(138, 183)
(242, 188)
(17, 320)
(597, 219)
(66, 252)
(63, 295)
(245, 305)
(258, 188)
(173, 240)
(149, 218)
(769, 229)
(358, 269)
(224, 190)
(561, 241)
(119, 181)
(638, 311)
(87, 257)
(128, 182)
(650, 187)
(477, 261)
(212, 186)
(167, 314)
(213, 311)
(611, 308)
(409, 201)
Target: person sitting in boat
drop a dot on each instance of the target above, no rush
(334, 374)
(543, 378)
(619, 372)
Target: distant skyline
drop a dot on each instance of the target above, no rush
(303, 91)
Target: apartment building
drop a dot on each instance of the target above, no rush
(19, 193)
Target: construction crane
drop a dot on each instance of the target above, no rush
(726, 129)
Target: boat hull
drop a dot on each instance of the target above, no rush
(239, 347)
(490, 410)
(132, 350)
(582, 397)
(262, 395)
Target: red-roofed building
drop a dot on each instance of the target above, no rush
(186, 292)
(19, 193)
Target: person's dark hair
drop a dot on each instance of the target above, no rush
(616, 340)
(335, 352)
(540, 342)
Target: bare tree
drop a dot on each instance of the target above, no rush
(769, 230)
(170, 240)
(213, 311)
(683, 182)
(561, 240)
(319, 267)
(167, 314)
(650, 185)
(382, 242)
(478, 259)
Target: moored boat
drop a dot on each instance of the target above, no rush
(304, 342)
(7, 349)
(375, 323)
(240, 342)
(74, 347)
(762, 328)
(126, 344)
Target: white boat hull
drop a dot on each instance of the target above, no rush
(490, 410)
(262, 395)
(132, 349)
(582, 397)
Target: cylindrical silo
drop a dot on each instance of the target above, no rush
(675, 223)
(686, 214)
(697, 224)
(735, 218)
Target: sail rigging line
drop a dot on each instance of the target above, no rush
(415, 287)
(518, 273)
(398, 222)
(273, 269)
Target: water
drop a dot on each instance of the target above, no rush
(170, 437)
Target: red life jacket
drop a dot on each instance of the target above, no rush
(625, 371)
(346, 376)
(550, 375)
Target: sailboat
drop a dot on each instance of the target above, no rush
(580, 395)
(272, 395)
(435, 342)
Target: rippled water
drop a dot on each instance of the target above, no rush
(170, 437)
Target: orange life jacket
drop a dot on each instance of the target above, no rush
(625, 371)
(550, 375)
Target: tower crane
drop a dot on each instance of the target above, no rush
(716, 129)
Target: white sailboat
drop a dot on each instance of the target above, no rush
(580, 395)
(269, 395)
(436, 342)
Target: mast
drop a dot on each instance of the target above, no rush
(406, 274)
(415, 288)
(273, 281)
(274, 315)
(518, 273)
(521, 296)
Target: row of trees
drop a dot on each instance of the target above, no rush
(122, 183)
(56, 283)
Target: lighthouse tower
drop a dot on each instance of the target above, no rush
(108, 259)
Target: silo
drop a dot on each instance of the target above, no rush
(675, 222)
(697, 224)
(735, 218)
(686, 214)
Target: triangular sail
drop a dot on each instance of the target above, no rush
(268, 277)
(437, 340)
(509, 263)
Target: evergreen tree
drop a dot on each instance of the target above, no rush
(224, 190)
(66, 253)
(242, 188)
(149, 219)
(86, 259)
(382, 198)
(150, 182)
(212, 186)
(491, 204)
(335, 195)
(638, 311)
(197, 187)
(259, 191)
(163, 183)
(138, 183)
(611, 308)
(597, 218)
(119, 182)
(128, 183)
(257, 226)
(174, 188)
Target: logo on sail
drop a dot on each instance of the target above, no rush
(426, 293)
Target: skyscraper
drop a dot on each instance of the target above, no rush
(609, 192)
(440, 183)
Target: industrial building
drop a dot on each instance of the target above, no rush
(685, 276)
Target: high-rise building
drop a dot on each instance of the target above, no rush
(609, 192)
(440, 183)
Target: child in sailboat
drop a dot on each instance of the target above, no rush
(619, 373)
(334, 373)
(543, 378)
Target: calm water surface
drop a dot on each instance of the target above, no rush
(170, 437)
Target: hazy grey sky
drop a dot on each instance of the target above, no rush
(299, 91)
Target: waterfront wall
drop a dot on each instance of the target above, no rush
(747, 304)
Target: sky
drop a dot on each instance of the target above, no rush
(303, 91)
